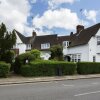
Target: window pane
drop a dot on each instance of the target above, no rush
(45, 46)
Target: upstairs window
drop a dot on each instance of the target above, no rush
(65, 43)
(28, 46)
(98, 40)
(45, 46)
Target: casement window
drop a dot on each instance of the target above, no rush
(98, 40)
(28, 46)
(76, 57)
(45, 46)
(65, 43)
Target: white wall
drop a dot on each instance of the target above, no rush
(82, 49)
(20, 45)
(22, 48)
(45, 55)
(94, 49)
(65, 50)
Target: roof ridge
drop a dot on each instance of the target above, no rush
(98, 24)
(19, 33)
(47, 35)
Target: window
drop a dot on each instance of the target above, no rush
(94, 58)
(45, 46)
(65, 43)
(98, 40)
(76, 57)
(28, 46)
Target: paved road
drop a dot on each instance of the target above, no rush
(83, 89)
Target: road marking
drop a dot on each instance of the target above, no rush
(96, 83)
(87, 93)
(67, 85)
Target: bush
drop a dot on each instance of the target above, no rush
(56, 53)
(21, 60)
(48, 68)
(4, 69)
(88, 68)
(35, 53)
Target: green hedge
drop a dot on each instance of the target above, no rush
(4, 69)
(21, 60)
(88, 68)
(48, 68)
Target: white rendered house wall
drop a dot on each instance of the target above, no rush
(45, 55)
(83, 50)
(94, 49)
(20, 45)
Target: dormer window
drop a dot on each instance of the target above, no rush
(65, 43)
(45, 46)
(98, 40)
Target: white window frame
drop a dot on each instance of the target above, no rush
(98, 40)
(28, 46)
(76, 58)
(65, 43)
(45, 46)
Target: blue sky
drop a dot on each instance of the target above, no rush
(49, 16)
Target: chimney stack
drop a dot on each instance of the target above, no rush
(33, 33)
(79, 28)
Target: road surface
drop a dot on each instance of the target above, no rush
(82, 89)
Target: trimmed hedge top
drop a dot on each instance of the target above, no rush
(88, 67)
(48, 68)
(4, 69)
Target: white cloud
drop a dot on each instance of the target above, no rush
(33, 1)
(55, 3)
(62, 18)
(91, 15)
(14, 13)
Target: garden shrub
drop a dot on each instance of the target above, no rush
(4, 69)
(88, 68)
(21, 60)
(35, 53)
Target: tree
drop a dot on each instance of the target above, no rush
(56, 52)
(7, 40)
(36, 54)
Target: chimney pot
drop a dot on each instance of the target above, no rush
(79, 28)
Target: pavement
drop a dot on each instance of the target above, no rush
(22, 80)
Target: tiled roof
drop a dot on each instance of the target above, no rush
(52, 39)
(76, 39)
(84, 36)
(26, 40)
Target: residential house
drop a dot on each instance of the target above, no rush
(84, 45)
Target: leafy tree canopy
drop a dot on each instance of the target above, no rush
(56, 52)
(7, 39)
